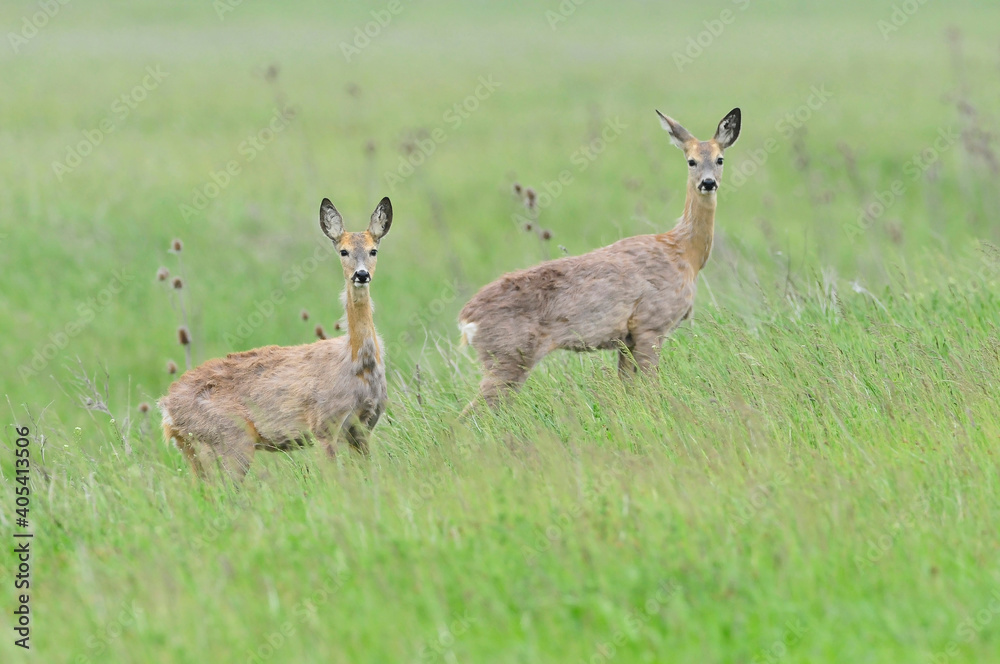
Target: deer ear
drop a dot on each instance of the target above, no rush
(729, 129)
(679, 136)
(381, 219)
(330, 220)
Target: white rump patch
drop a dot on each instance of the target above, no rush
(468, 331)
(168, 421)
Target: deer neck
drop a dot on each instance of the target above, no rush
(361, 328)
(696, 229)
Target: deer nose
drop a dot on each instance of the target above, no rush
(709, 184)
(362, 277)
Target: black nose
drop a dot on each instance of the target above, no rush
(709, 185)
(362, 276)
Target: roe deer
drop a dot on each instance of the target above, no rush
(628, 295)
(280, 398)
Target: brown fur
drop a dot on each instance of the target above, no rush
(280, 398)
(625, 296)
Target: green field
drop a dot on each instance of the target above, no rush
(813, 476)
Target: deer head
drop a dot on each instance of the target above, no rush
(704, 158)
(358, 251)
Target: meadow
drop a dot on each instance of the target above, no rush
(812, 475)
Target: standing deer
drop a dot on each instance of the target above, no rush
(280, 398)
(626, 296)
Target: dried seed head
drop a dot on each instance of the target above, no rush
(518, 189)
(336, 325)
(171, 367)
(177, 246)
(531, 197)
(162, 274)
(304, 315)
(546, 234)
(178, 283)
(528, 227)
(144, 408)
(183, 336)
(320, 333)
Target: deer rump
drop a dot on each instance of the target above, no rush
(278, 394)
(581, 303)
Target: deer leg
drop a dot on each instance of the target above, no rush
(503, 378)
(230, 446)
(356, 435)
(647, 351)
(235, 454)
(627, 366)
(204, 457)
(189, 447)
(331, 435)
(329, 443)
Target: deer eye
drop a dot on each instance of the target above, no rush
(373, 252)
(343, 252)
(691, 162)
(719, 161)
